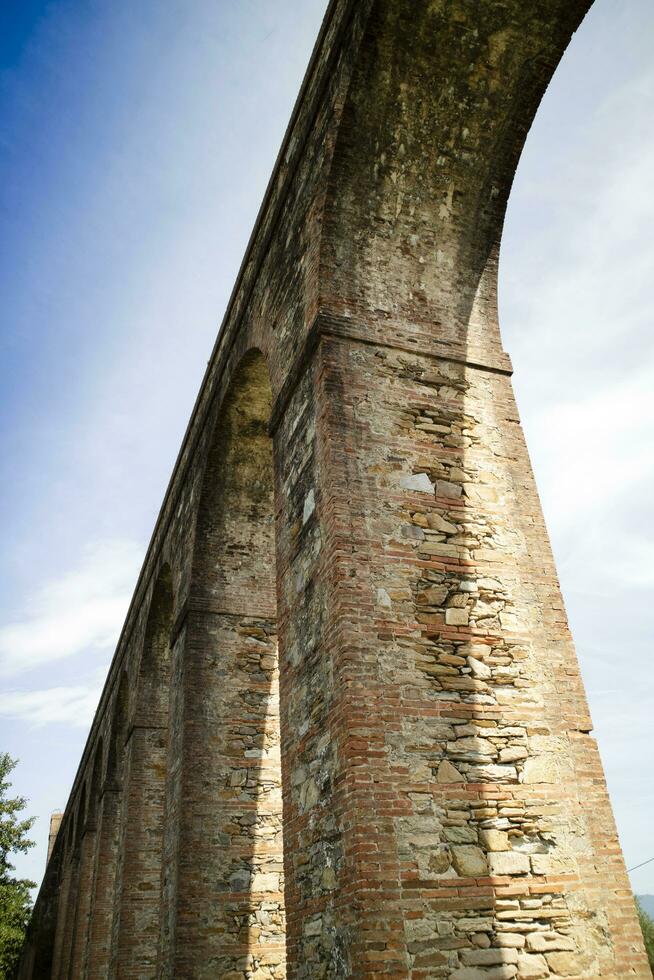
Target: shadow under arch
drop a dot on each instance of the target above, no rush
(64, 900)
(436, 114)
(70, 892)
(106, 859)
(230, 893)
(146, 753)
(41, 933)
(83, 865)
(87, 865)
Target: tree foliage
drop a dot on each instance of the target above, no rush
(15, 900)
(647, 925)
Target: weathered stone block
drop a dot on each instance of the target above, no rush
(563, 964)
(508, 863)
(469, 861)
(544, 942)
(532, 966)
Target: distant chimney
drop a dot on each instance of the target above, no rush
(55, 823)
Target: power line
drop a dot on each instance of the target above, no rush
(636, 866)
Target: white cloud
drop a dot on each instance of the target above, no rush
(83, 610)
(593, 450)
(71, 705)
(575, 279)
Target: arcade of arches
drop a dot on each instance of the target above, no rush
(344, 733)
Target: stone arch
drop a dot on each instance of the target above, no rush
(41, 934)
(80, 814)
(144, 805)
(70, 835)
(106, 859)
(95, 785)
(68, 892)
(230, 902)
(88, 861)
(437, 110)
(82, 856)
(151, 707)
(119, 728)
(239, 462)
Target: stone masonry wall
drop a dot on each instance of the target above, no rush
(344, 732)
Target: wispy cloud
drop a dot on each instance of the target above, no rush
(81, 611)
(593, 449)
(71, 705)
(578, 293)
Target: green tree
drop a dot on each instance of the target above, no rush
(647, 925)
(15, 900)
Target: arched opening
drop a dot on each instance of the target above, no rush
(96, 784)
(44, 932)
(82, 857)
(68, 891)
(146, 751)
(230, 889)
(87, 866)
(118, 733)
(107, 839)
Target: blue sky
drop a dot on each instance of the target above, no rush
(136, 141)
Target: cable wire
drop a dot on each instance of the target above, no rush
(636, 866)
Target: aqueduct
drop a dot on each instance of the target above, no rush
(344, 732)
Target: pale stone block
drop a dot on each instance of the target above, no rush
(447, 773)
(545, 942)
(438, 523)
(456, 617)
(565, 964)
(513, 939)
(543, 864)
(532, 966)
(513, 753)
(472, 744)
(494, 840)
(265, 883)
(504, 972)
(541, 769)
(417, 481)
(309, 506)
(383, 599)
(478, 668)
(495, 774)
(508, 863)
